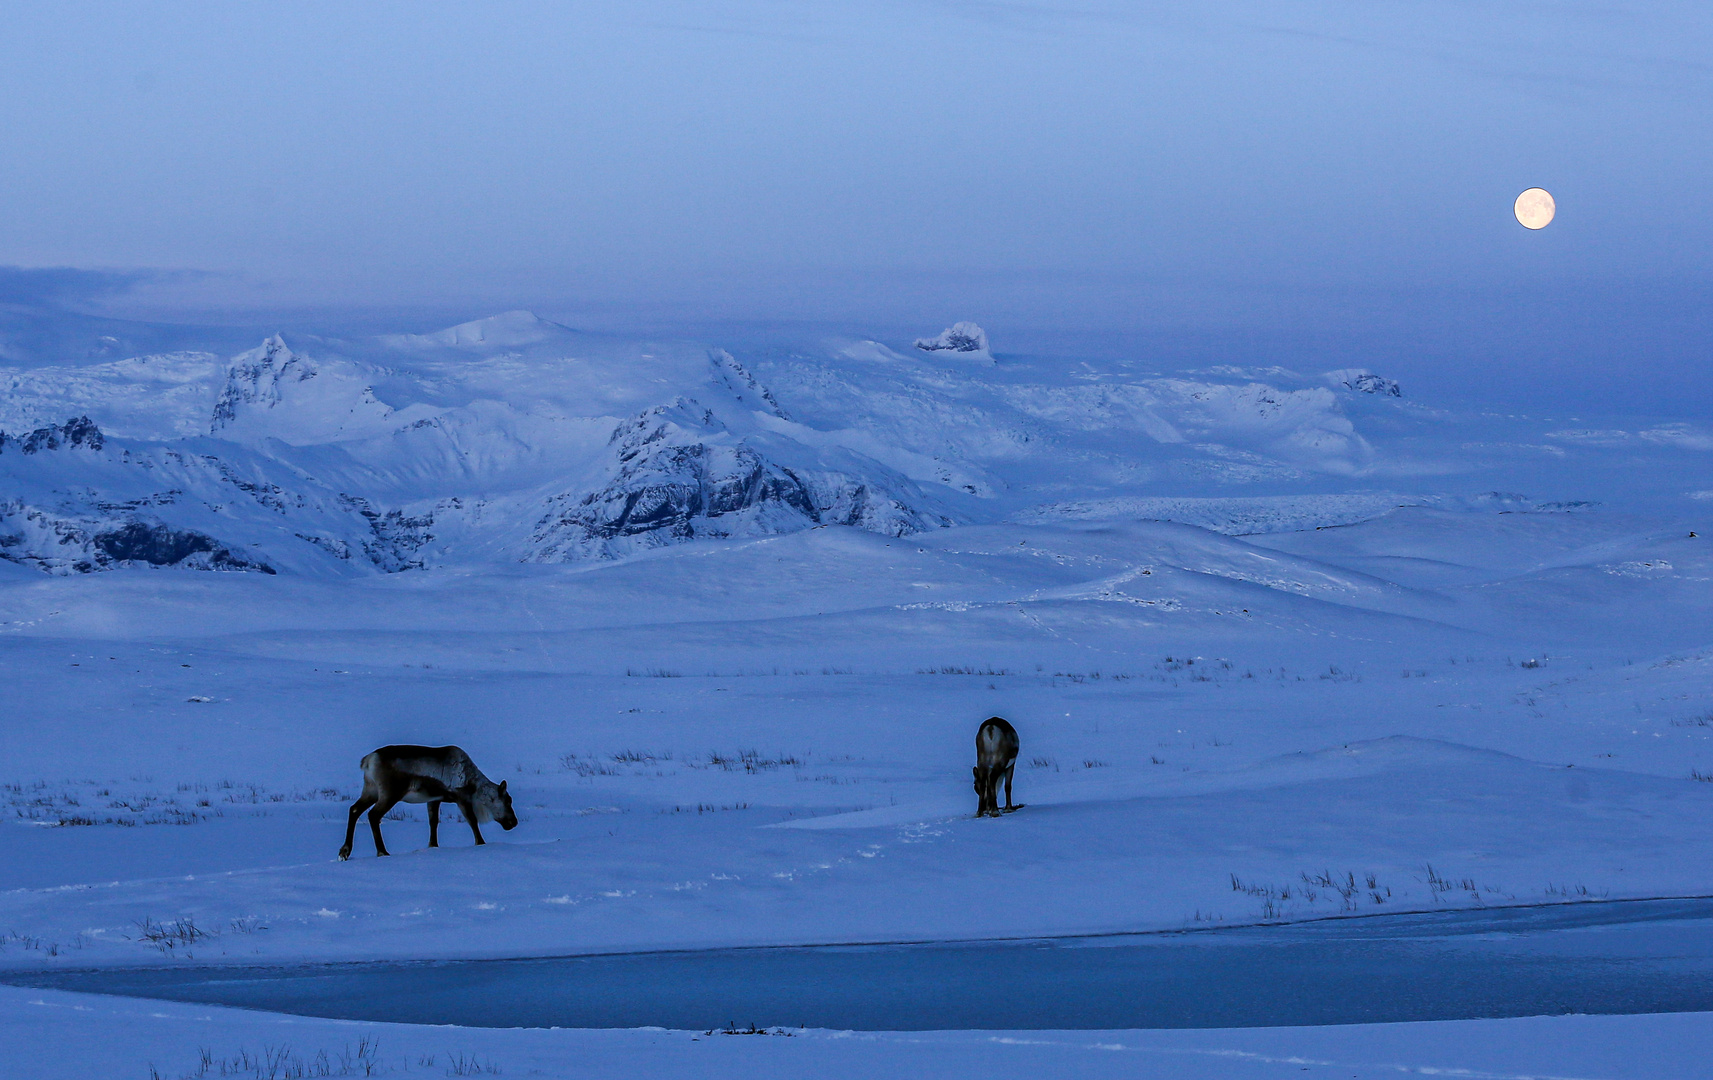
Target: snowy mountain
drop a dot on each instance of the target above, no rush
(964, 337)
(1364, 381)
(516, 439)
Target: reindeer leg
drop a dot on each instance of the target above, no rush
(1009, 769)
(376, 813)
(468, 809)
(363, 803)
(434, 824)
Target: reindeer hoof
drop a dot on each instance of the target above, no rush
(345, 855)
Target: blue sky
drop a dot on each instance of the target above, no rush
(1301, 181)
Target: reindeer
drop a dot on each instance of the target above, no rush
(995, 759)
(432, 775)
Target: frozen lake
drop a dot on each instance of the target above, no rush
(1624, 957)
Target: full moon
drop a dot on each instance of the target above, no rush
(1535, 208)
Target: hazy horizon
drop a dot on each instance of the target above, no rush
(1314, 189)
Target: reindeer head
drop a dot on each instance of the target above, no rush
(494, 803)
(981, 780)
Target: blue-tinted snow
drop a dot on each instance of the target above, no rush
(1239, 667)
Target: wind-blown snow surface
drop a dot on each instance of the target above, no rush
(764, 735)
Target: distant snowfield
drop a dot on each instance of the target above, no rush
(761, 734)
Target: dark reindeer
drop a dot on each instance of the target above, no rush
(995, 760)
(432, 775)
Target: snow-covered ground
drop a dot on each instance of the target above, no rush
(765, 740)
(1343, 656)
(90, 1036)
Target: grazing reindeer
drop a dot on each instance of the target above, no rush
(995, 759)
(432, 775)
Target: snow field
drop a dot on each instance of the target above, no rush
(87, 1035)
(767, 741)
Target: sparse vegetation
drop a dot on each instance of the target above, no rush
(282, 1063)
(1440, 886)
(469, 1065)
(1349, 892)
(70, 804)
(586, 766)
(167, 936)
(746, 761)
(640, 757)
(32, 943)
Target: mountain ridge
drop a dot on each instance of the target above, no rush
(518, 439)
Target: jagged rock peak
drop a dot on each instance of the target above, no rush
(667, 491)
(654, 424)
(1364, 381)
(254, 376)
(78, 431)
(963, 337)
(272, 392)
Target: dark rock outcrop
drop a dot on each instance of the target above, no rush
(158, 545)
(31, 536)
(1369, 383)
(964, 337)
(77, 432)
(680, 476)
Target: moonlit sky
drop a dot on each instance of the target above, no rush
(1308, 184)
